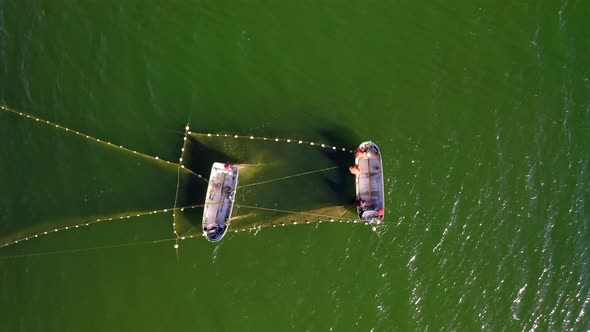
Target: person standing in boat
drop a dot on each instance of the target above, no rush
(355, 170)
(360, 152)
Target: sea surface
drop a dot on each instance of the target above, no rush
(481, 110)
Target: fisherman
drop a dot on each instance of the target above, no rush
(355, 170)
(360, 202)
(360, 152)
(228, 167)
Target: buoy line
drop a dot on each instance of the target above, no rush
(180, 166)
(84, 136)
(186, 131)
(103, 219)
(285, 140)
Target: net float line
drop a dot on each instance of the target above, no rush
(284, 140)
(329, 218)
(180, 165)
(88, 223)
(181, 238)
(130, 244)
(257, 227)
(156, 158)
(291, 212)
(84, 136)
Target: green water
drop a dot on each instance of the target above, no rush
(481, 110)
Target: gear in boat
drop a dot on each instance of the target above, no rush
(214, 232)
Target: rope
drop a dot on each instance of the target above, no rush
(288, 177)
(197, 175)
(292, 212)
(86, 249)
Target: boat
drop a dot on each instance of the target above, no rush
(219, 201)
(369, 182)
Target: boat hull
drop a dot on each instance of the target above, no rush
(219, 201)
(369, 182)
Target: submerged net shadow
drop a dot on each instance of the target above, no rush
(279, 184)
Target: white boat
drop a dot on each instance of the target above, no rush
(369, 182)
(219, 201)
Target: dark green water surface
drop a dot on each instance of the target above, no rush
(481, 110)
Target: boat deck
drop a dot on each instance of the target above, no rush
(219, 201)
(370, 181)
